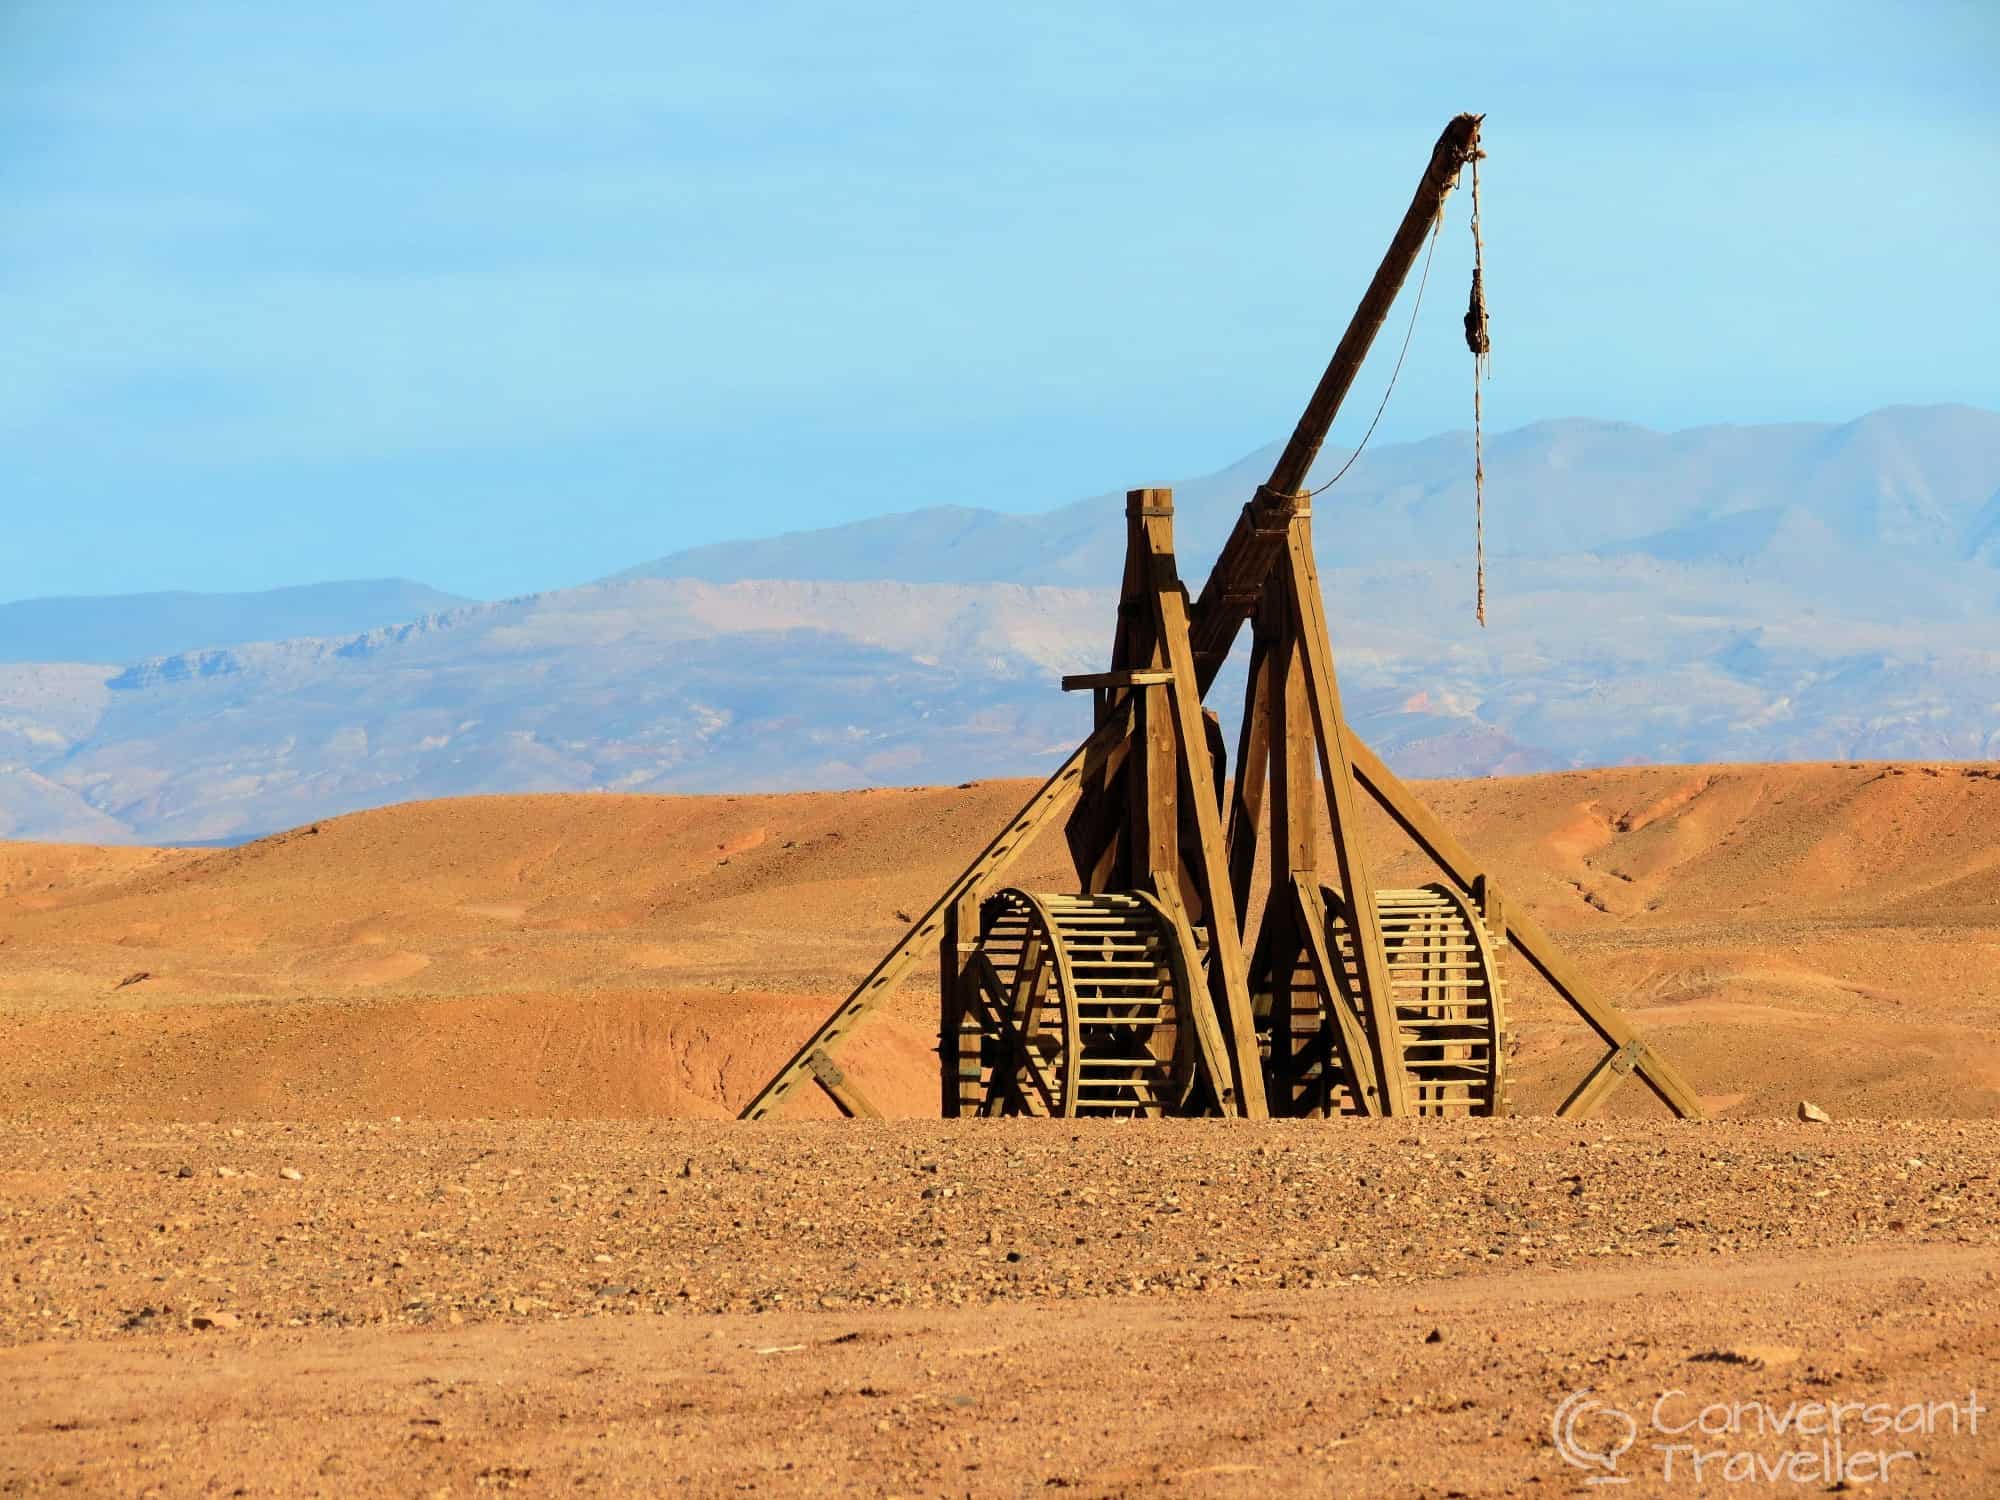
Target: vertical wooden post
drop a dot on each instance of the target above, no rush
(1208, 861)
(1492, 908)
(951, 1013)
(1153, 772)
(1107, 835)
(1155, 803)
(1356, 882)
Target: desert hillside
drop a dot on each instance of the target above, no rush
(1830, 931)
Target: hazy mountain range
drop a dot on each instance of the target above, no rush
(134, 627)
(1724, 593)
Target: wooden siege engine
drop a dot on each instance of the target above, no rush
(1171, 980)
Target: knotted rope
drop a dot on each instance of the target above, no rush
(1479, 339)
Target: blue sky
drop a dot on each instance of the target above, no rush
(505, 296)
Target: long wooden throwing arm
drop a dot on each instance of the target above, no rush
(1237, 579)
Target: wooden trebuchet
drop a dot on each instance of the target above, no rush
(1163, 984)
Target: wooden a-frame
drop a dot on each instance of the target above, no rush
(1142, 799)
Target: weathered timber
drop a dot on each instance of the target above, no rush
(1199, 1007)
(1078, 682)
(958, 1043)
(840, 1089)
(1602, 1080)
(1330, 734)
(1198, 781)
(1357, 1056)
(1449, 156)
(1246, 801)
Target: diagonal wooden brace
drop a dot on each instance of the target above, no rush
(1360, 1060)
(1602, 1081)
(1049, 805)
(1210, 1050)
(840, 1089)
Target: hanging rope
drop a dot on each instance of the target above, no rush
(1479, 339)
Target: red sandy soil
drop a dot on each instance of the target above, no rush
(528, 984)
(994, 1308)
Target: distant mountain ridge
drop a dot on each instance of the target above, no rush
(1912, 479)
(1805, 591)
(123, 628)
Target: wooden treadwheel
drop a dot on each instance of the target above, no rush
(1449, 997)
(1078, 1001)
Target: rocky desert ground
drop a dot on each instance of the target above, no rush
(391, 1156)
